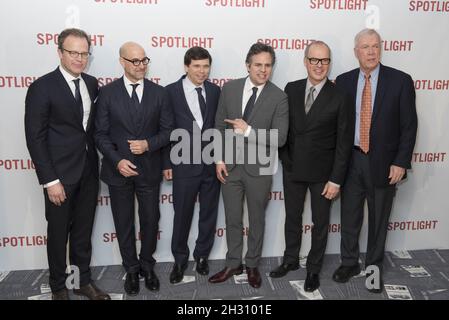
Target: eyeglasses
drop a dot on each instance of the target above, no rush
(315, 61)
(137, 62)
(76, 54)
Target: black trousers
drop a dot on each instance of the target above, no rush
(72, 221)
(123, 212)
(294, 197)
(185, 193)
(357, 188)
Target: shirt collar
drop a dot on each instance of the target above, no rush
(317, 87)
(374, 74)
(249, 85)
(190, 86)
(67, 76)
(128, 82)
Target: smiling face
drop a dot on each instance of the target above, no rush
(74, 66)
(317, 73)
(198, 71)
(367, 51)
(260, 68)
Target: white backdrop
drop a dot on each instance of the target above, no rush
(414, 34)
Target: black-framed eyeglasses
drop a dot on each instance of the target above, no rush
(76, 54)
(137, 62)
(315, 61)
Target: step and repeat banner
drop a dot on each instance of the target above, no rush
(414, 40)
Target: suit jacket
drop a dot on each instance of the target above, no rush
(184, 119)
(393, 122)
(319, 143)
(115, 125)
(54, 131)
(270, 112)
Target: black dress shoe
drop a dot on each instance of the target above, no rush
(60, 295)
(283, 269)
(344, 273)
(132, 284)
(202, 266)
(312, 282)
(254, 278)
(177, 273)
(92, 292)
(151, 281)
(225, 274)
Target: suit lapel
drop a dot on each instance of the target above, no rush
(260, 100)
(183, 101)
(299, 109)
(380, 92)
(67, 92)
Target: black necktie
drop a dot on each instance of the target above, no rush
(250, 105)
(202, 102)
(79, 101)
(135, 98)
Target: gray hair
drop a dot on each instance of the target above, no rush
(365, 32)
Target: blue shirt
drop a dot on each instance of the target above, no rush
(358, 104)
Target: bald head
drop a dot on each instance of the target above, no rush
(128, 47)
(130, 53)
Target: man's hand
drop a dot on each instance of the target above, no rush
(396, 174)
(330, 191)
(56, 194)
(138, 146)
(220, 169)
(168, 174)
(125, 167)
(239, 125)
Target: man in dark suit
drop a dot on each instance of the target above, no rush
(385, 134)
(133, 124)
(255, 112)
(59, 115)
(315, 158)
(194, 101)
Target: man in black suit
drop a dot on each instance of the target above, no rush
(314, 158)
(133, 124)
(59, 115)
(385, 134)
(194, 101)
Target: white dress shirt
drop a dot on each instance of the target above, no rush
(192, 99)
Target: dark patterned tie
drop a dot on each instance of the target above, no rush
(135, 98)
(250, 104)
(78, 99)
(201, 101)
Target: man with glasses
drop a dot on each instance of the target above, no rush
(133, 124)
(385, 134)
(59, 115)
(314, 158)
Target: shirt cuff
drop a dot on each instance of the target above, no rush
(334, 184)
(247, 132)
(51, 183)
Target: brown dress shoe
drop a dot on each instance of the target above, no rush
(92, 292)
(254, 278)
(225, 274)
(60, 295)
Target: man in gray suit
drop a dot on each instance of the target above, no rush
(256, 112)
